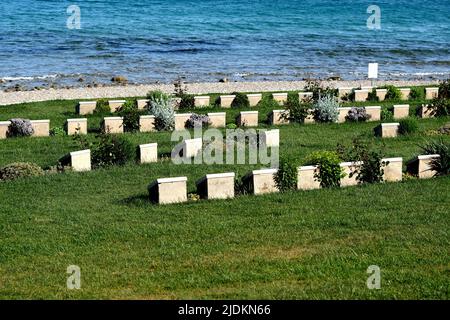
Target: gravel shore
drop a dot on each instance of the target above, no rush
(7, 98)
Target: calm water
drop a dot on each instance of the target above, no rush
(206, 40)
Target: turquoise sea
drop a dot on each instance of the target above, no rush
(205, 40)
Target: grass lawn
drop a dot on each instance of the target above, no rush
(297, 245)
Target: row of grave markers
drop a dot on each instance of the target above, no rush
(361, 95)
(217, 120)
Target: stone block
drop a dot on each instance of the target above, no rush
(113, 124)
(181, 119)
(276, 117)
(421, 166)
(115, 104)
(217, 119)
(393, 170)
(431, 93)
(261, 181)
(76, 126)
(41, 128)
(343, 112)
(381, 94)
(248, 119)
(4, 127)
(361, 95)
(305, 96)
(426, 111)
(405, 93)
(86, 107)
(142, 104)
(350, 169)
(226, 101)
(344, 92)
(281, 98)
(401, 111)
(305, 178)
(269, 138)
(192, 147)
(310, 117)
(374, 112)
(168, 190)
(387, 130)
(148, 153)
(254, 99)
(80, 160)
(216, 186)
(147, 123)
(202, 101)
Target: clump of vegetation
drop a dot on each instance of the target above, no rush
(161, 106)
(130, 113)
(440, 107)
(198, 121)
(326, 109)
(444, 89)
(319, 90)
(240, 100)
(241, 187)
(408, 125)
(417, 93)
(20, 128)
(373, 96)
(57, 132)
(296, 111)
(329, 172)
(232, 126)
(287, 175)
(387, 115)
(393, 93)
(187, 101)
(371, 164)
(102, 107)
(357, 114)
(442, 164)
(20, 170)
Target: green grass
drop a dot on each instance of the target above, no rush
(298, 245)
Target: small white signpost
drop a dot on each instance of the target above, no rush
(373, 72)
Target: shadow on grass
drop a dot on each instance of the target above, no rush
(136, 201)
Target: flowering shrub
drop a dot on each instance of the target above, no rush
(357, 114)
(20, 128)
(326, 109)
(330, 172)
(198, 121)
(20, 170)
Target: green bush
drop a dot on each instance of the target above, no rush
(111, 150)
(187, 102)
(417, 94)
(373, 96)
(371, 169)
(20, 170)
(393, 93)
(442, 164)
(240, 100)
(326, 109)
(102, 107)
(330, 172)
(286, 176)
(444, 89)
(241, 187)
(57, 132)
(408, 125)
(319, 90)
(440, 107)
(232, 126)
(130, 113)
(297, 111)
(387, 115)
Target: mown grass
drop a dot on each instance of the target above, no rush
(298, 245)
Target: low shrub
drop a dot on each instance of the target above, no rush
(442, 164)
(296, 111)
(372, 165)
(287, 175)
(232, 126)
(102, 107)
(387, 115)
(20, 128)
(326, 109)
(444, 89)
(417, 94)
(57, 131)
(130, 114)
(440, 107)
(240, 100)
(330, 172)
(161, 106)
(373, 96)
(187, 102)
(111, 150)
(241, 188)
(357, 114)
(408, 125)
(198, 121)
(20, 170)
(393, 93)
(319, 90)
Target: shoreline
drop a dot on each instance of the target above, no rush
(126, 91)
